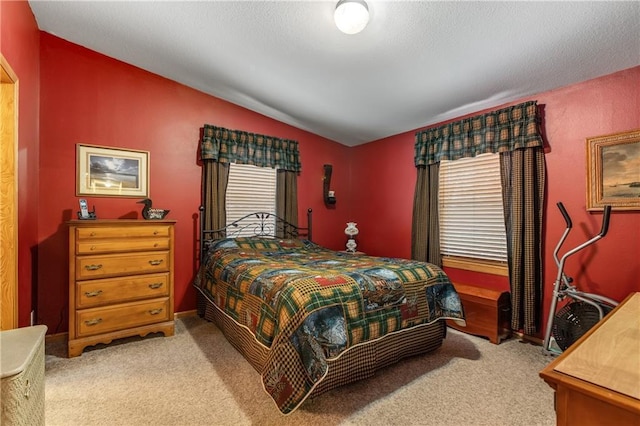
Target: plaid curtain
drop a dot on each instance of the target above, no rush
(286, 199)
(222, 146)
(523, 181)
(503, 130)
(425, 232)
(514, 133)
(235, 146)
(215, 177)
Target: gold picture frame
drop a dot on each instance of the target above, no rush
(111, 172)
(613, 171)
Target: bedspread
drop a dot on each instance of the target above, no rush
(308, 304)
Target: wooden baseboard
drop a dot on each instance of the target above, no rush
(526, 338)
(185, 314)
(56, 338)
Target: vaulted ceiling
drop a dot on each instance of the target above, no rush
(416, 63)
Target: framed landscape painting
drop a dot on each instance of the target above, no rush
(111, 172)
(613, 171)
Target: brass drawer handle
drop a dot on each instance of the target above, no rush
(155, 262)
(155, 311)
(93, 293)
(155, 285)
(93, 267)
(94, 321)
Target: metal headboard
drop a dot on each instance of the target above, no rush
(258, 224)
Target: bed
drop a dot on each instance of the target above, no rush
(310, 319)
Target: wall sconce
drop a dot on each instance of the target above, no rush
(329, 196)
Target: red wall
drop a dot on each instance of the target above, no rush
(90, 98)
(383, 182)
(71, 95)
(20, 45)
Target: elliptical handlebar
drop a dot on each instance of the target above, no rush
(564, 214)
(605, 221)
(605, 218)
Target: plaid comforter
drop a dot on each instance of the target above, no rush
(309, 304)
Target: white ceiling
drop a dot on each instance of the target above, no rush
(416, 63)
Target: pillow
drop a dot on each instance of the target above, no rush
(258, 243)
(291, 243)
(212, 245)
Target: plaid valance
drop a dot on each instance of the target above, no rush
(236, 146)
(503, 130)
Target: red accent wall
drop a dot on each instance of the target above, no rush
(70, 95)
(89, 98)
(20, 45)
(384, 180)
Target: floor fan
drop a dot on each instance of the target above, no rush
(574, 320)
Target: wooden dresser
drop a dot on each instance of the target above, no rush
(597, 379)
(120, 280)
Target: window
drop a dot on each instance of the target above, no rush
(250, 189)
(471, 212)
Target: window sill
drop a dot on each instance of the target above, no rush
(476, 265)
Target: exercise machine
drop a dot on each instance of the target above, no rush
(585, 309)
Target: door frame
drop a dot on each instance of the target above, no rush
(8, 196)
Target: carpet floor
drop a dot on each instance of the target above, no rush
(197, 378)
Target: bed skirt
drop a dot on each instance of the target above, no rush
(357, 363)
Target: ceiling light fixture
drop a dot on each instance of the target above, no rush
(351, 16)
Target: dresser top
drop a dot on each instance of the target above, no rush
(17, 348)
(111, 222)
(610, 357)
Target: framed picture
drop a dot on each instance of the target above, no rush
(613, 171)
(111, 172)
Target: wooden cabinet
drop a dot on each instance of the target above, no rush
(22, 372)
(597, 379)
(120, 280)
(487, 312)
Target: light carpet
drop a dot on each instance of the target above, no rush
(197, 378)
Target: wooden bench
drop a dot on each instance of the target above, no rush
(487, 312)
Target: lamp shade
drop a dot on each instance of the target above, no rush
(351, 16)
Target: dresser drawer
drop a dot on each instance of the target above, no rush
(117, 290)
(137, 231)
(120, 280)
(88, 267)
(121, 245)
(119, 317)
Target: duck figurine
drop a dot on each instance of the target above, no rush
(150, 213)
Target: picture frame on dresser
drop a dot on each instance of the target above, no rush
(111, 172)
(613, 175)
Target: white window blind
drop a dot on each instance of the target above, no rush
(251, 189)
(471, 214)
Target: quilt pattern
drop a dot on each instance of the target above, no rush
(309, 304)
